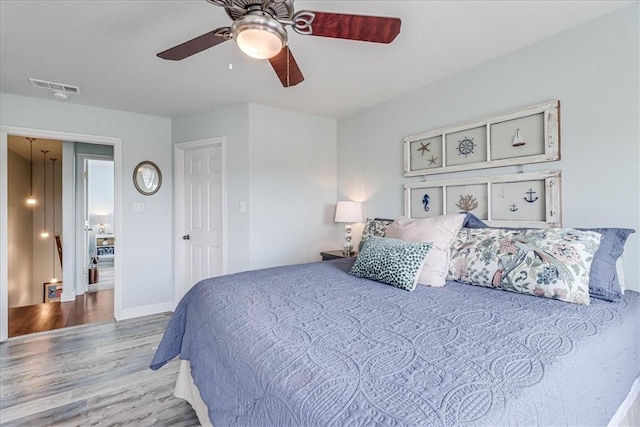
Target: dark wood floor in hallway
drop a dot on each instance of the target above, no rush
(93, 307)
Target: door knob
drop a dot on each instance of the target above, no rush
(186, 237)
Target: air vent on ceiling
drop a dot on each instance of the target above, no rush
(56, 87)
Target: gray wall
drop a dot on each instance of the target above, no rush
(282, 164)
(232, 123)
(593, 69)
(293, 186)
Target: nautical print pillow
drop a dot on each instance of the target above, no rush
(395, 262)
(373, 227)
(549, 263)
(606, 276)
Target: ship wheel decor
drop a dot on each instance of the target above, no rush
(259, 28)
(465, 146)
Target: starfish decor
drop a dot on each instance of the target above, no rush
(424, 147)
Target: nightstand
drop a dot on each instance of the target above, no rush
(327, 255)
(105, 245)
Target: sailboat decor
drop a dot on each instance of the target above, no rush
(517, 139)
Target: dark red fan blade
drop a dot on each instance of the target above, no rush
(355, 27)
(286, 67)
(192, 46)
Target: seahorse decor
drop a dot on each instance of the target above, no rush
(467, 202)
(425, 202)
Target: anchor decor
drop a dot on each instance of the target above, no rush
(425, 202)
(530, 195)
(513, 207)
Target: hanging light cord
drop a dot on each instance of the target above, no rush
(31, 162)
(53, 193)
(53, 243)
(44, 187)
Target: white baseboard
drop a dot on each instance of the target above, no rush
(67, 295)
(130, 313)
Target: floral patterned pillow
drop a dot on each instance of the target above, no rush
(549, 263)
(373, 227)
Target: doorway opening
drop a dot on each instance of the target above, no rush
(39, 238)
(95, 195)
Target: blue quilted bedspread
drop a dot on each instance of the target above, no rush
(310, 345)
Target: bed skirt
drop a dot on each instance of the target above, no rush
(628, 414)
(186, 389)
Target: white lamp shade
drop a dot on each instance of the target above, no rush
(347, 211)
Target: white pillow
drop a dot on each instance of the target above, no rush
(620, 273)
(440, 231)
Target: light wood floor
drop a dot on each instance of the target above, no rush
(91, 307)
(106, 277)
(90, 375)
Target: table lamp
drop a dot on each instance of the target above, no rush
(349, 212)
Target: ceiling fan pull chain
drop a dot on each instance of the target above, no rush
(230, 64)
(288, 74)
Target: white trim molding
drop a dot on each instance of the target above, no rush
(147, 310)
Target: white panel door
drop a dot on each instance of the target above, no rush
(203, 214)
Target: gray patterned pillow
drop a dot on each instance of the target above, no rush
(374, 227)
(392, 261)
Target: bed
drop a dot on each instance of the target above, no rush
(311, 345)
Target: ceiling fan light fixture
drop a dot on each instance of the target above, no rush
(259, 36)
(60, 95)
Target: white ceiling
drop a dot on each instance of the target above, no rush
(108, 49)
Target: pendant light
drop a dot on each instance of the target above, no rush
(31, 201)
(44, 234)
(53, 242)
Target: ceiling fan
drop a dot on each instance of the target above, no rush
(259, 29)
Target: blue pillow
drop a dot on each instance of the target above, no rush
(392, 261)
(472, 221)
(603, 277)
